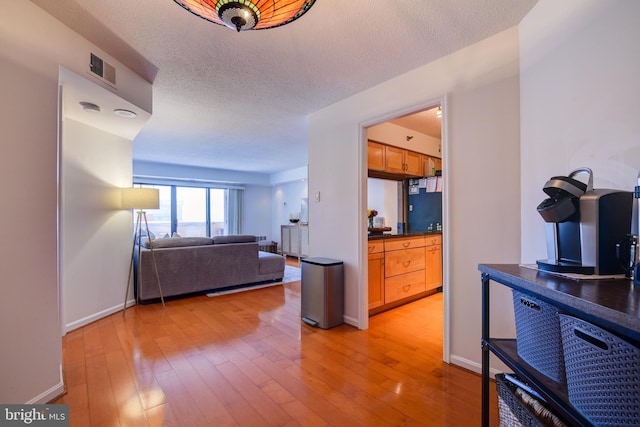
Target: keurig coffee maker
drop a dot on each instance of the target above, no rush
(583, 225)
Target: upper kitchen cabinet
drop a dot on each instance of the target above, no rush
(396, 161)
(414, 163)
(376, 156)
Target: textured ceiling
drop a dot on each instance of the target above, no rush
(240, 101)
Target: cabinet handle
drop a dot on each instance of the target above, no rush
(406, 287)
(371, 248)
(406, 244)
(406, 263)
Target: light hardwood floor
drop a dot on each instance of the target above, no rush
(246, 359)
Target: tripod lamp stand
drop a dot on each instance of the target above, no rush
(140, 199)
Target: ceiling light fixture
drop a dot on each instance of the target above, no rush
(124, 113)
(439, 112)
(242, 15)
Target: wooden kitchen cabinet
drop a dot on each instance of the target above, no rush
(404, 264)
(376, 273)
(376, 156)
(433, 262)
(403, 269)
(394, 159)
(414, 163)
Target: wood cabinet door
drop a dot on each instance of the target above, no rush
(375, 154)
(375, 246)
(404, 286)
(433, 267)
(405, 261)
(415, 163)
(406, 243)
(376, 280)
(438, 163)
(394, 158)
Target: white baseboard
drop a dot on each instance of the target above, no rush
(472, 365)
(49, 395)
(351, 321)
(96, 316)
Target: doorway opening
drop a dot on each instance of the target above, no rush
(412, 202)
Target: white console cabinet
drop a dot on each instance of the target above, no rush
(295, 240)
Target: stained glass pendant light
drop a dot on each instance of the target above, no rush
(242, 15)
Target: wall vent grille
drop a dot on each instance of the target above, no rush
(102, 69)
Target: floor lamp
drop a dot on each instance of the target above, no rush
(140, 199)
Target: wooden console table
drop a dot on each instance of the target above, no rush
(612, 304)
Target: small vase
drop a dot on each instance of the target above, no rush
(370, 222)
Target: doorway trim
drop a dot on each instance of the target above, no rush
(363, 294)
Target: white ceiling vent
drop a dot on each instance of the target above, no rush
(103, 70)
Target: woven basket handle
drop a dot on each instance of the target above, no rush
(590, 339)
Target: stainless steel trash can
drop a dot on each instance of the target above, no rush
(322, 292)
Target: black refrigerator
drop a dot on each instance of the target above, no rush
(424, 210)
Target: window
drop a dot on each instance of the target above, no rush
(217, 211)
(191, 211)
(159, 220)
(195, 211)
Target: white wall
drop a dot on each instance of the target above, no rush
(481, 170)
(580, 92)
(30, 322)
(95, 234)
(257, 211)
(382, 196)
(180, 173)
(286, 200)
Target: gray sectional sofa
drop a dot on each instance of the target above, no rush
(189, 265)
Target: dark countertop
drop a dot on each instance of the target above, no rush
(615, 303)
(396, 236)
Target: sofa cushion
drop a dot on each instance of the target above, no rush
(175, 242)
(269, 263)
(235, 238)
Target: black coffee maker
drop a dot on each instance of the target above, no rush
(583, 225)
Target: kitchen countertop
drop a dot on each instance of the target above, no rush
(395, 236)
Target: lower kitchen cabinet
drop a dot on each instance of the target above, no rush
(376, 280)
(433, 262)
(376, 273)
(403, 269)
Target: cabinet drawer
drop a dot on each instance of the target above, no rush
(375, 246)
(403, 286)
(400, 262)
(435, 239)
(398, 244)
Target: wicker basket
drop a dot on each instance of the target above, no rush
(603, 374)
(514, 412)
(538, 335)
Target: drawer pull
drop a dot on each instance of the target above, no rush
(371, 248)
(406, 263)
(406, 244)
(406, 287)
